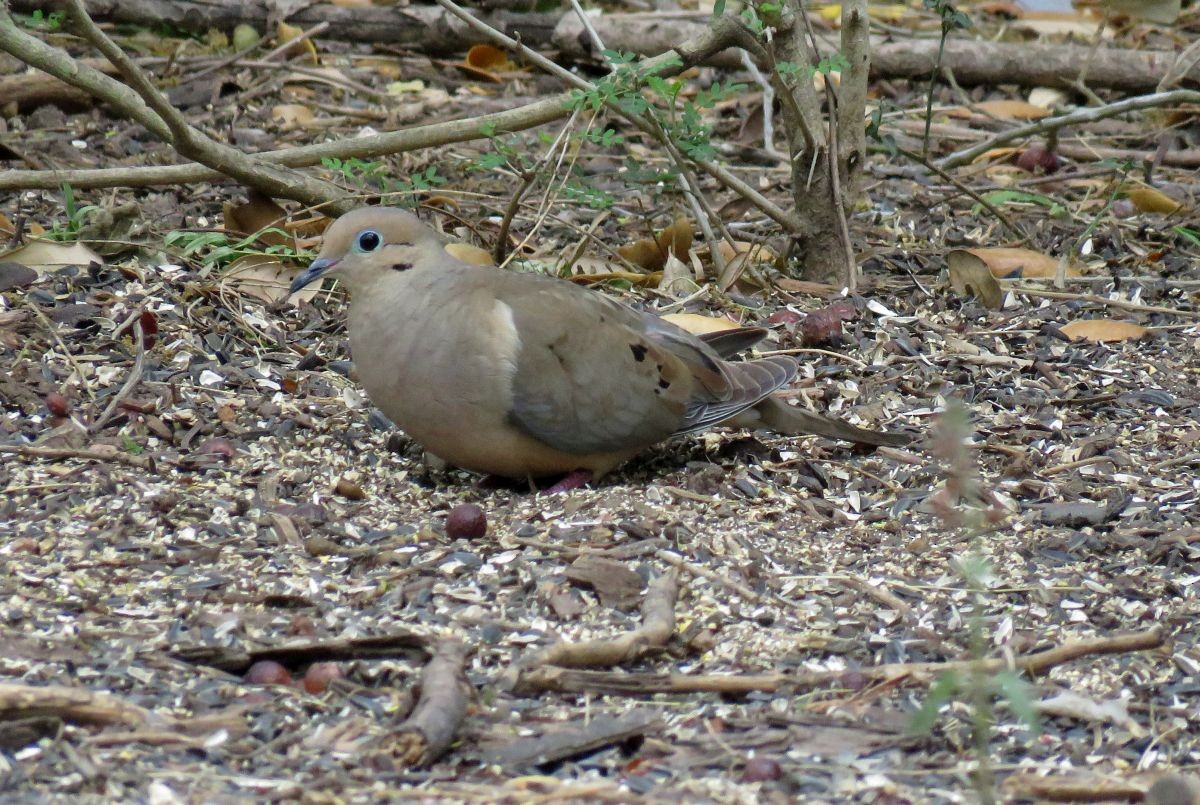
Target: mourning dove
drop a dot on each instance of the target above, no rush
(527, 376)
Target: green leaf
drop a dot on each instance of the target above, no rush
(941, 692)
(1019, 695)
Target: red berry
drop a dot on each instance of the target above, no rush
(268, 672)
(760, 769)
(319, 675)
(57, 404)
(466, 521)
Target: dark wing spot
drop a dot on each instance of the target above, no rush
(639, 352)
(557, 357)
(401, 266)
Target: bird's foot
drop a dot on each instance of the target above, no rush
(489, 483)
(572, 480)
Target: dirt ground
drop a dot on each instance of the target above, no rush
(243, 494)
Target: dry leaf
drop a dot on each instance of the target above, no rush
(651, 254)
(1163, 12)
(1009, 264)
(696, 324)
(259, 213)
(285, 33)
(292, 115)
(652, 279)
(1010, 109)
(1047, 97)
(264, 277)
(470, 254)
(1059, 23)
(678, 279)
(405, 87)
(758, 252)
(387, 67)
(1101, 330)
(6, 226)
(1069, 704)
(1148, 199)
(970, 276)
(50, 255)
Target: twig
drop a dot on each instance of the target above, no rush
(83, 706)
(722, 33)
(135, 376)
(49, 325)
(658, 623)
(768, 105)
(677, 561)
(272, 180)
(565, 680)
(1049, 124)
(962, 188)
(833, 157)
(100, 452)
(445, 693)
(1100, 300)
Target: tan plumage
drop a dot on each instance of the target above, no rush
(527, 376)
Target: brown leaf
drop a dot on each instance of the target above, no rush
(292, 115)
(1003, 108)
(696, 324)
(470, 254)
(50, 255)
(970, 276)
(651, 254)
(1006, 263)
(613, 581)
(1100, 330)
(257, 214)
(1148, 199)
(264, 277)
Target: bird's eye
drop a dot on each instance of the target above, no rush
(368, 241)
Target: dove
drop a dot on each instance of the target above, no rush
(528, 376)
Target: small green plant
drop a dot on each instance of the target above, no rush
(216, 249)
(952, 20)
(76, 216)
(40, 20)
(373, 176)
(999, 197)
(963, 504)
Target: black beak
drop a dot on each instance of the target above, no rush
(315, 269)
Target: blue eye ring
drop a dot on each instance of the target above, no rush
(368, 241)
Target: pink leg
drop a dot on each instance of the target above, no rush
(572, 480)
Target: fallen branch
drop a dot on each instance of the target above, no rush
(417, 27)
(570, 741)
(445, 692)
(658, 624)
(305, 651)
(99, 452)
(1101, 300)
(135, 377)
(83, 706)
(1048, 125)
(32, 51)
(564, 680)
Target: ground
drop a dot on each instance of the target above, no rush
(243, 493)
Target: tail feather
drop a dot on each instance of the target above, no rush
(774, 414)
(749, 382)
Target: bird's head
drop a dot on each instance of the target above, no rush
(366, 245)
